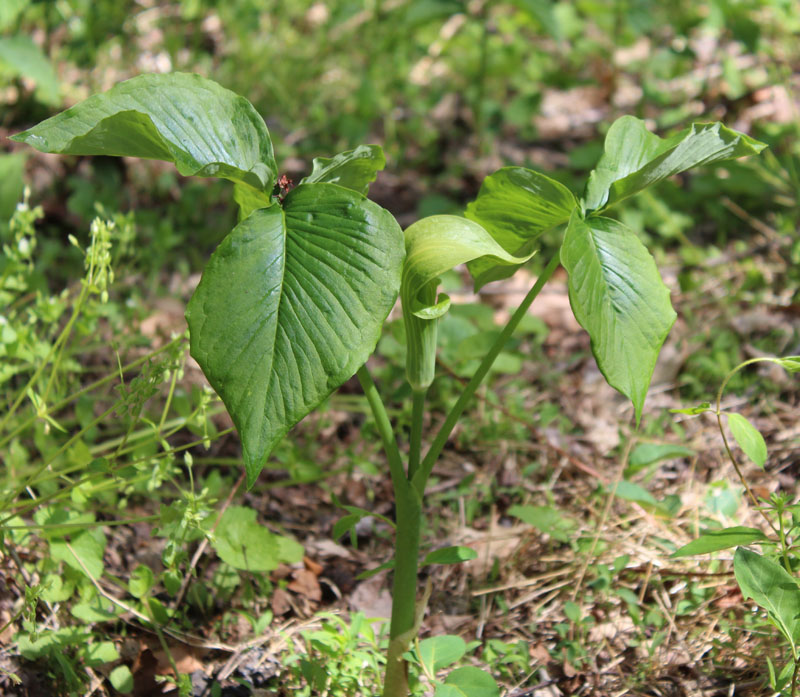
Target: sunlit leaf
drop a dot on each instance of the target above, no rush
(441, 651)
(468, 682)
(516, 205)
(195, 123)
(749, 438)
(242, 542)
(693, 411)
(634, 158)
(355, 169)
(773, 588)
(449, 555)
(290, 305)
(715, 540)
(648, 453)
(617, 295)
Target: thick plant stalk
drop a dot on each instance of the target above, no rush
(405, 615)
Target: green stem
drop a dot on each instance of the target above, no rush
(62, 337)
(782, 534)
(404, 623)
(415, 442)
(424, 471)
(408, 505)
(56, 455)
(718, 413)
(384, 428)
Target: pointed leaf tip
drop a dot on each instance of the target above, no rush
(354, 169)
(634, 158)
(290, 305)
(618, 297)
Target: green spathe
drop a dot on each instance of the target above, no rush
(290, 305)
(435, 245)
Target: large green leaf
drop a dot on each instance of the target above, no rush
(516, 205)
(618, 297)
(195, 123)
(26, 59)
(354, 169)
(634, 158)
(434, 245)
(773, 588)
(291, 305)
(716, 540)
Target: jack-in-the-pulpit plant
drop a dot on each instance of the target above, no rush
(292, 302)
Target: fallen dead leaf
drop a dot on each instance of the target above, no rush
(304, 582)
(280, 602)
(371, 598)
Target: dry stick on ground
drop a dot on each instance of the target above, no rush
(281, 632)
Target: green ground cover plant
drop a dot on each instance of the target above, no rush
(768, 578)
(292, 302)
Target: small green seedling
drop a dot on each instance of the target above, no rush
(292, 302)
(769, 579)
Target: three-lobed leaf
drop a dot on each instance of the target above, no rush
(203, 128)
(634, 158)
(617, 295)
(515, 205)
(290, 305)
